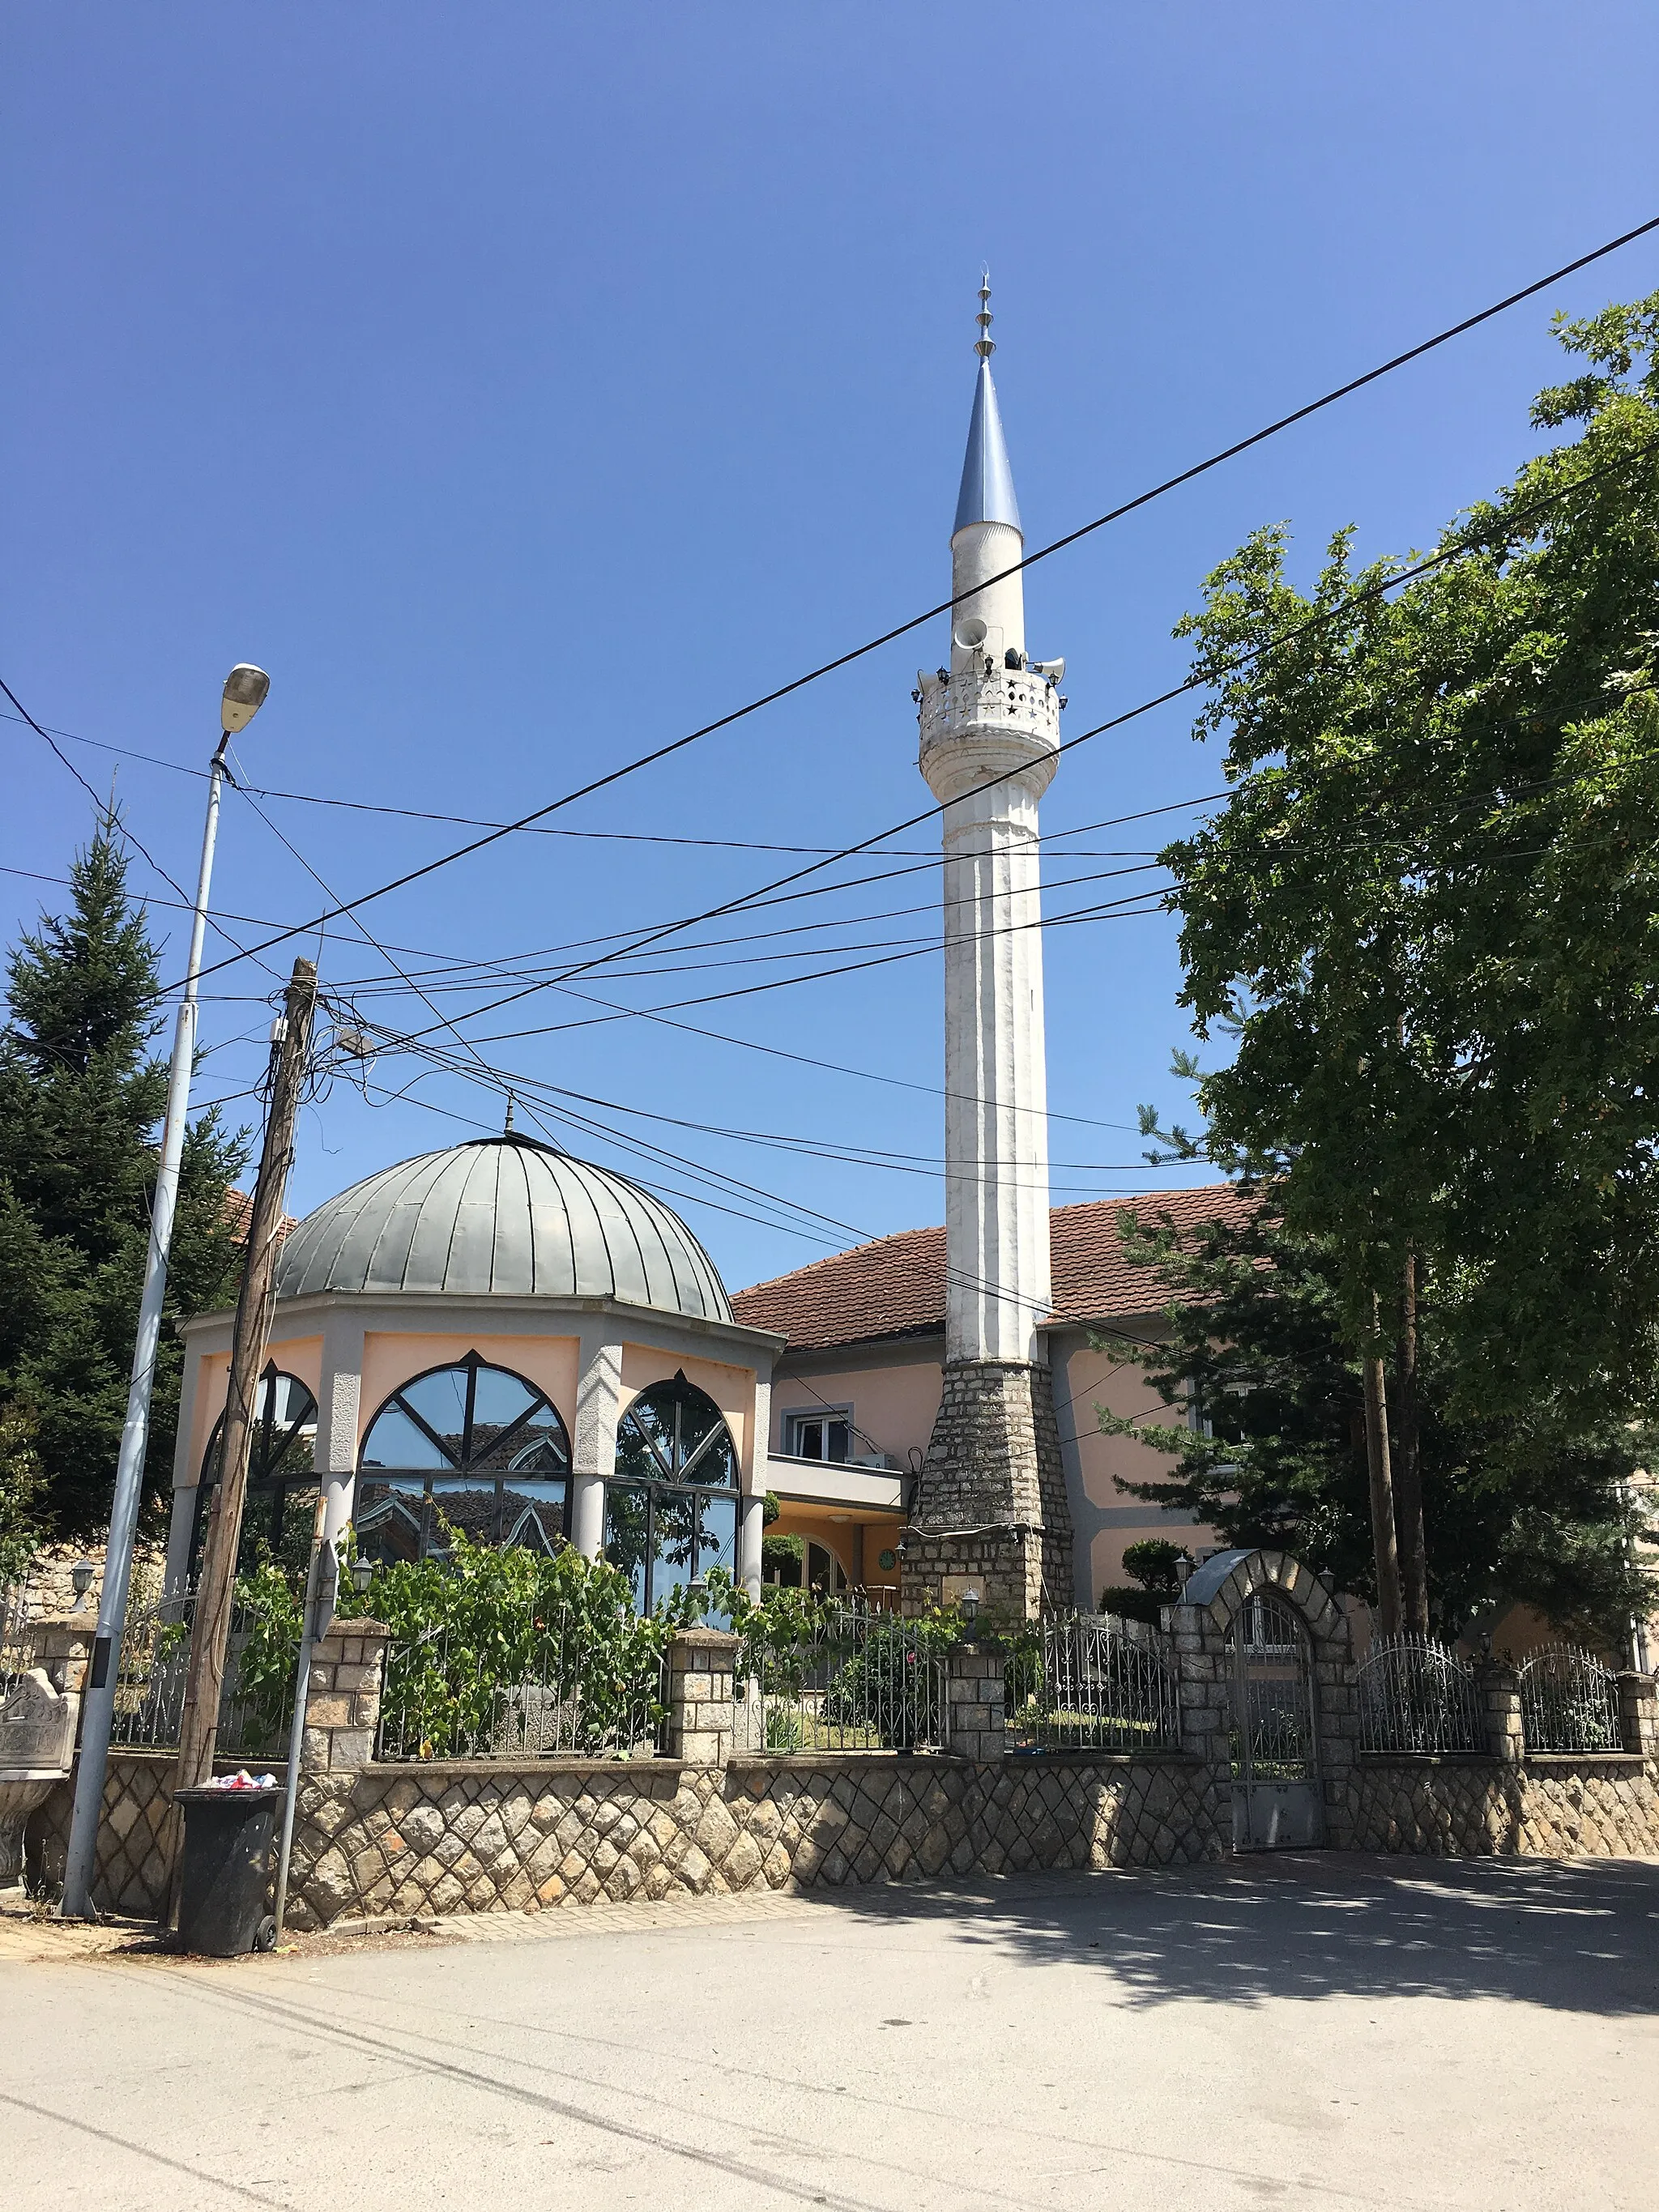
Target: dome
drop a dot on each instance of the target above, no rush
(504, 1215)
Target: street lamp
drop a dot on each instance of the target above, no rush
(244, 694)
(362, 1574)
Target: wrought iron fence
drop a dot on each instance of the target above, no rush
(551, 1681)
(1417, 1696)
(840, 1674)
(256, 1702)
(1569, 1701)
(16, 1643)
(1091, 1682)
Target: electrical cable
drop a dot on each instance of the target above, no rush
(1072, 538)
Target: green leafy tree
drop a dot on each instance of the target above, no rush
(1520, 1507)
(80, 1097)
(1428, 914)
(21, 1532)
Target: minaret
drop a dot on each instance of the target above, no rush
(990, 1511)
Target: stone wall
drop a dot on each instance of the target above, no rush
(477, 1836)
(51, 1585)
(990, 1506)
(1588, 1805)
(130, 1876)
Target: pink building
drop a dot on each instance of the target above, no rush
(856, 1390)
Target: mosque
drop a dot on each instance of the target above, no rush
(499, 1338)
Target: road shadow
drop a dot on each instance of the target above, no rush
(1577, 1936)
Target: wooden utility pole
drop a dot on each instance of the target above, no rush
(1381, 1474)
(210, 1626)
(1407, 1463)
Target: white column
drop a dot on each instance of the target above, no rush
(339, 1419)
(187, 1474)
(593, 1447)
(752, 1510)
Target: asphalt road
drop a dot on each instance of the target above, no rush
(1320, 2033)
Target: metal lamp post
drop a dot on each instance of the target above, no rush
(244, 694)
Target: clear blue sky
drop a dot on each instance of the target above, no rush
(523, 386)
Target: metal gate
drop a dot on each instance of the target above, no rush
(1275, 1751)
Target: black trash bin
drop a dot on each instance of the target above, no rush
(226, 1871)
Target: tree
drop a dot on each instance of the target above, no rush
(80, 1100)
(1429, 913)
(1519, 1508)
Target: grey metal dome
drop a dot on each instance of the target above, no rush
(503, 1214)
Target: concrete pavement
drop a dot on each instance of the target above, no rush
(1321, 2033)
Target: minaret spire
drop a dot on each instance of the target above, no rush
(990, 1505)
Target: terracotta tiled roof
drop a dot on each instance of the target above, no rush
(895, 1285)
(239, 1212)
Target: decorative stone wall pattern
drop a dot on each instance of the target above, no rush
(343, 1702)
(993, 1467)
(130, 1875)
(1570, 1805)
(470, 1836)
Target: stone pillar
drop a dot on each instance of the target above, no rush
(974, 1694)
(1639, 1717)
(990, 1507)
(701, 1662)
(593, 1446)
(1500, 1699)
(343, 1700)
(63, 1651)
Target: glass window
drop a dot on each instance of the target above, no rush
(824, 1435)
(279, 1509)
(672, 1513)
(471, 1447)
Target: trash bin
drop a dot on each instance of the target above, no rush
(226, 1871)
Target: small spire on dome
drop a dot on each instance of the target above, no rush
(985, 345)
(506, 1125)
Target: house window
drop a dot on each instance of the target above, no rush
(825, 1433)
(470, 1447)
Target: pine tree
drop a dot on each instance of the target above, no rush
(81, 1099)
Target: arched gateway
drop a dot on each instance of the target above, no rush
(1267, 1671)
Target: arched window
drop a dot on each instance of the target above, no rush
(672, 1509)
(473, 1446)
(282, 1479)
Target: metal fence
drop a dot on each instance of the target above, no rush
(1092, 1682)
(256, 1706)
(846, 1674)
(16, 1644)
(1417, 1696)
(551, 1682)
(1569, 1701)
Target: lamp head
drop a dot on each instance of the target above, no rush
(969, 1604)
(80, 1580)
(362, 1574)
(244, 694)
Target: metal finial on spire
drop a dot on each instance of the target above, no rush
(507, 1128)
(985, 344)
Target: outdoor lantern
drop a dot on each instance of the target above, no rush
(80, 1576)
(362, 1574)
(244, 694)
(970, 1602)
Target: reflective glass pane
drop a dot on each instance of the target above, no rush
(533, 1514)
(705, 1447)
(290, 1401)
(396, 1441)
(500, 1399)
(676, 1530)
(441, 1401)
(627, 1525)
(389, 1516)
(717, 1537)
(536, 1447)
(468, 1506)
(645, 1448)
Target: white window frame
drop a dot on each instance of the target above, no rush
(793, 1415)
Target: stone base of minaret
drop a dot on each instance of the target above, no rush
(990, 1511)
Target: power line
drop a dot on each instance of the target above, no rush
(944, 606)
(1199, 679)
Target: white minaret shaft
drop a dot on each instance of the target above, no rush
(990, 732)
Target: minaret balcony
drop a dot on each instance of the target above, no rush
(1012, 712)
